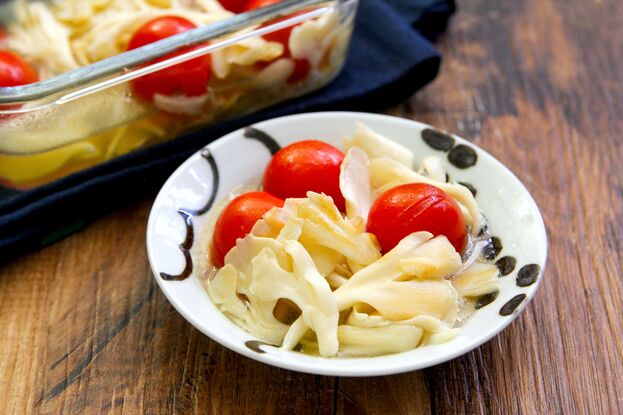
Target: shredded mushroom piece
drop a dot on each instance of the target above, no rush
(375, 145)
(355, 184)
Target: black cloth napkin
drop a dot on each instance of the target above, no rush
(390, 57)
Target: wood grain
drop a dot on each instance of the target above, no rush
(538, 83)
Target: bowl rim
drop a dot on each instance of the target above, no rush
(301, 365)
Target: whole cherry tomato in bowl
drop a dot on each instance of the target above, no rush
(415, 207)
(237, 220)
(189, 78)
(303, 166)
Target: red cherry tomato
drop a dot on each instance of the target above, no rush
(15, 71)
(189, 78)
(237, 219)
(256, 4)
(301, 66)
(307, 165)
(282, 36)
(235, 6)
(2, 35)
(415, 207)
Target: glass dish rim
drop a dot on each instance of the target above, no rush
(121, 68)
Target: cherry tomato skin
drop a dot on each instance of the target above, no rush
(415, 207)
(303, 166)
(15, 71)
(302, 67)
(235, 6)
(188, 78)
(158, 29)
(237, 220)
(256, 4)
(282, 36)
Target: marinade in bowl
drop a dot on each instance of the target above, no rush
(96, 100)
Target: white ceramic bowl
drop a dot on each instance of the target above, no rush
(236, 159)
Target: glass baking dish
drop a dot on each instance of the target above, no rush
(92, 114)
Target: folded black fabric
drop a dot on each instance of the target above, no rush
(390, 58)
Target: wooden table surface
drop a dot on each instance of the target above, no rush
(538, 83)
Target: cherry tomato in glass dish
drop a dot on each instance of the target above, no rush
(257, 4)
(302, 67)
(189, 78)
(415, 207)
(15, 71)
(235, 6)
(282, 36)
(237, 220)
(303, 166)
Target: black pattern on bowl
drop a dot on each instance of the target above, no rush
(486, 299)
(493, 248)
(506, 265)
(511, 305)
(255, 345)
(469, 186)
(462, 156)
(438, 140)
(528, 275)
(188, 214)
(269, 142)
